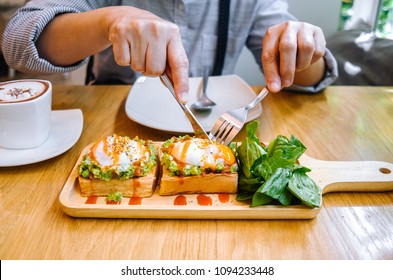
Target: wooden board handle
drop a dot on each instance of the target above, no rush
(347, 176)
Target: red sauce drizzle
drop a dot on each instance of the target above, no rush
(105, 148)
(181, 180)
(223, 197)
(204, 200)
(91, 199)
(184, 151)
(92, 151)
(135, 200)
(180, 200)
(136, 182)
(135, 185)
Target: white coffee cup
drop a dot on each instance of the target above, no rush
(25, 109)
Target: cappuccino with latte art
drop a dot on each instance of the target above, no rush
(17, 91)
(25, 113)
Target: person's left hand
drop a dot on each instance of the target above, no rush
(289, 48)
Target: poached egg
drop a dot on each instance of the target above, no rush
(203, 153)
(117, 151)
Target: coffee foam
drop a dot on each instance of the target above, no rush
(21, 90)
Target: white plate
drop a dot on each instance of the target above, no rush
(150, 103)
(66, 128)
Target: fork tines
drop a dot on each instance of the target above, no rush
(225, 130)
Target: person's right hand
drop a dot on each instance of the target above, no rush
(148, 44)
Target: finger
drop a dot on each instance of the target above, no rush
(306, 50)
(155, 59)
(320, 45)
(121, 52)
(138, 54)
(288, 51)
(178, 64)
(270, 60)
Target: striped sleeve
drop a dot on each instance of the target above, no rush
(23, 30)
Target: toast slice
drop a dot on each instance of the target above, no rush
(119, 164)
(206, 183)
(192, 165)
(135, 187)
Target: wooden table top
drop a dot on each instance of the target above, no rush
(340, 123)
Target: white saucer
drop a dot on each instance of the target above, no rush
(151, 104)
(66, 128)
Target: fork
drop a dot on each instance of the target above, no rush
(230, 123)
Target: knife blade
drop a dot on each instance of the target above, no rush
(196, 126)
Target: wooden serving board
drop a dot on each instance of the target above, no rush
(331, 176)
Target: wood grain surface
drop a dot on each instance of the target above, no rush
(340, 123)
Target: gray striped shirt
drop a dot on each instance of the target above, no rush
(197, 20)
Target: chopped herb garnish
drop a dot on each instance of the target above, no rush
(115, 197)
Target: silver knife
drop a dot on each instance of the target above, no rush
(196, 126)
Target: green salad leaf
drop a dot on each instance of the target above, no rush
(304, 188)
(250, 149)
(272, 175)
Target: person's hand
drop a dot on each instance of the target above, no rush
(289, 49)
(149, 45)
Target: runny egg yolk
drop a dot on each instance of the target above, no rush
(203, 153)
(117, 150)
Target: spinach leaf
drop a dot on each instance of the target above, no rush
(266, 166)
(286, 197)
(304, 188)
(281, 152)
(247, 187)
(248, 184)
(286, 149)
(260, 199)
(250, 149)
(274, 187)
(272, 175)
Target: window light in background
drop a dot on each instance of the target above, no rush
(384, 28)
(376, 14)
